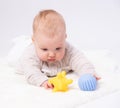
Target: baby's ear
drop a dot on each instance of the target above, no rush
(33, 38)
(65, 35)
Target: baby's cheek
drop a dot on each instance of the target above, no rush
(40, 56)
(60, 56)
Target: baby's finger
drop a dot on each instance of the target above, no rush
(50, 85)
(97, 77)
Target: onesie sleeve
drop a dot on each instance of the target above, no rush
(30, 65)
(78, 62)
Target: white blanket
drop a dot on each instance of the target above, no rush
(16, 93)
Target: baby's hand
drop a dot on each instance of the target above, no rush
(97, 76)
(47, 85)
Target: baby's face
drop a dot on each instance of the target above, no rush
(50, 49)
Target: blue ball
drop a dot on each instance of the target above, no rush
(87, 82)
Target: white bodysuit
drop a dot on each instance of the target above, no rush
(37, 71)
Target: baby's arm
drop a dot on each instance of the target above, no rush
(80, 64)
(30, 65)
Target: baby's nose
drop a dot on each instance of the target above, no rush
(51, 54)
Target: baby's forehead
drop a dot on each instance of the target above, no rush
(50, 45)
(50, 42)
(49, 34)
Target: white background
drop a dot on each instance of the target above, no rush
(91, 24)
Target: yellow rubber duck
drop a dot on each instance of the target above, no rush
(60, 82)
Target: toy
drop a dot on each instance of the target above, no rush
(60, 82)
(87, 82)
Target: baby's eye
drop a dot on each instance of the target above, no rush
(44, 49)
(58, 49)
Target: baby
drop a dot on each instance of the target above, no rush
(50, 53)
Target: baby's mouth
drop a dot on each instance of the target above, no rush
(51, 60)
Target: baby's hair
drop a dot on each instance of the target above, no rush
(49, 21)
